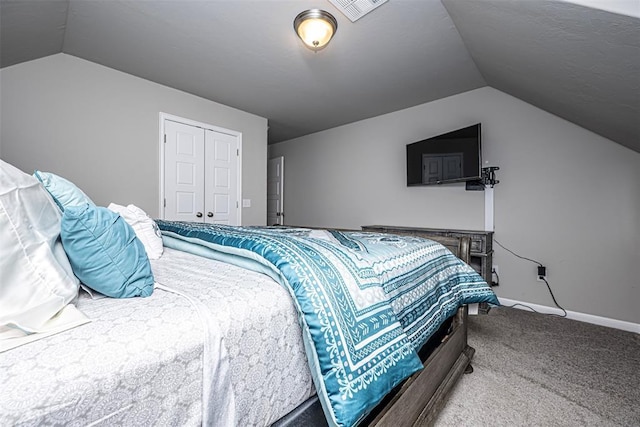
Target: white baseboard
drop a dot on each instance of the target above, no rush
(588, 318)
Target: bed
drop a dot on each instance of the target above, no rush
(227, 337)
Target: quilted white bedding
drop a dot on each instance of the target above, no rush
(269, 370)
(140, 360)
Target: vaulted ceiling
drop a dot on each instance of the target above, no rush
(576, 61)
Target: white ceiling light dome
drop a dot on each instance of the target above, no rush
(315, 28)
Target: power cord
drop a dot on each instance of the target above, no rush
(554, 299)
(519, 256)
(541, 278)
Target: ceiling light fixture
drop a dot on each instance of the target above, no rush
(315, 28)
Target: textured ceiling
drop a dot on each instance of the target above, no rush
(578, 63)
(574, 61)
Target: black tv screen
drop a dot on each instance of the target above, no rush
(451, 157)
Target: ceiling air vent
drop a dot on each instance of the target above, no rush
(356, 9)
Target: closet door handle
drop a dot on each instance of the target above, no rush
(199, 214)
(210, 214)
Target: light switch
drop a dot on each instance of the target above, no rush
(246, 203)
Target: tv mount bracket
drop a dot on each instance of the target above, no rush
(489, 176)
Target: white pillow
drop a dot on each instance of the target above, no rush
(37, 280)
(146, 228)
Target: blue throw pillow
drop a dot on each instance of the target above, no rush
(64, 192)
(105, 253)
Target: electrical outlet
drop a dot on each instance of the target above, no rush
(542, 274)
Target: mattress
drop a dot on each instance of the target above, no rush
(142, 361)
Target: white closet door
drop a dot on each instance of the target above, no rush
(221, 178)
(184, 174)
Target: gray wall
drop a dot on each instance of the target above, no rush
(567, 197)
(99, 128)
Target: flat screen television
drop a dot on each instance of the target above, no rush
(451, 157)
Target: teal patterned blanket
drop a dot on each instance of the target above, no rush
(367, 301)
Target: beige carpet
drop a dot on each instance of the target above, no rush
(538, 370)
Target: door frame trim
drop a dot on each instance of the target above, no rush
(173, 118)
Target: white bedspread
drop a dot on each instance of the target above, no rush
(140, 361)
(259, 323)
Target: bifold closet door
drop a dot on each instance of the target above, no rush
(200, 175)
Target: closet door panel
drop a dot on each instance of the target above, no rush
(221, 160)
(184, 173)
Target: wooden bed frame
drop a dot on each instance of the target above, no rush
(417, 401)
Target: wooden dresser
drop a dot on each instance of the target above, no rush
(481, 244)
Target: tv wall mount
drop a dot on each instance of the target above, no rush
(488, 178)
